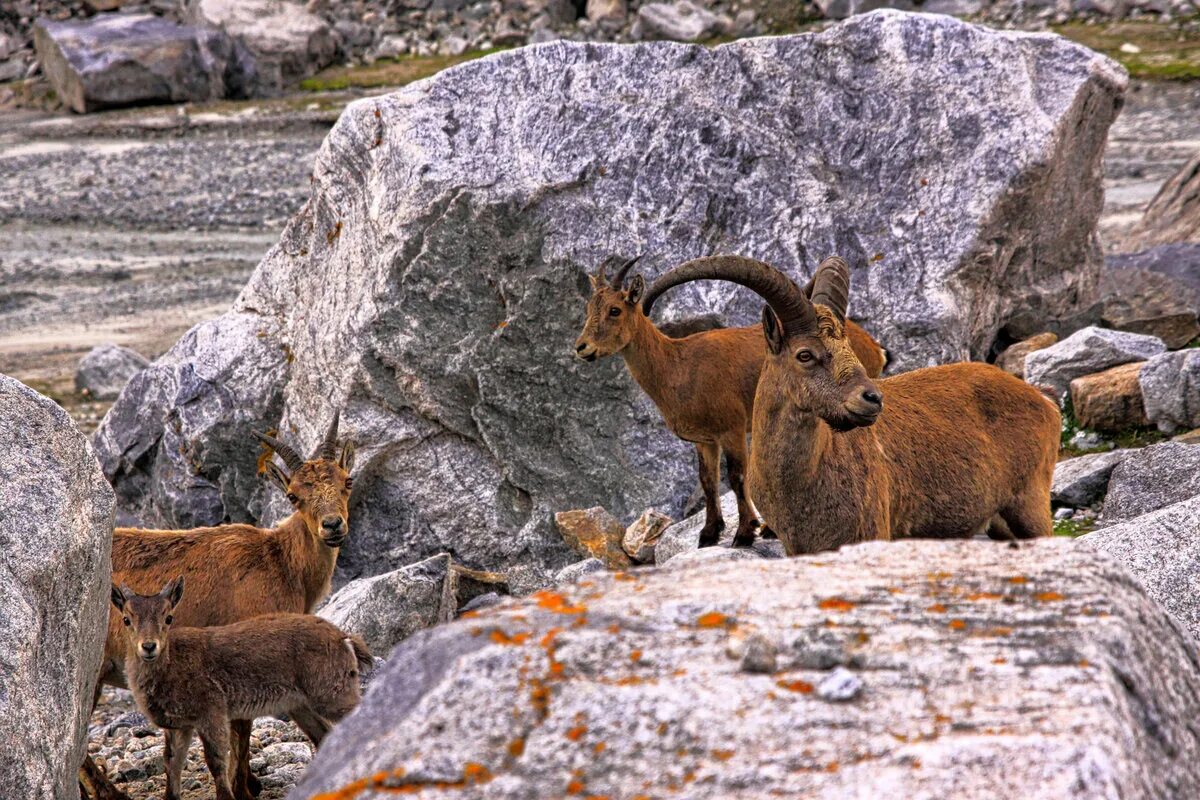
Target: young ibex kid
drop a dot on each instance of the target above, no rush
(197, 680)
(703, 384)
(839, 458)
(239, 571)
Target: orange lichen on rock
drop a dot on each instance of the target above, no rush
(803, 687)
(835, 604)
(936, 608)
(722, 755)
(576, 733)
(516, 748)
(713, 619)
(500, 637)
(636, 655)
(977, 596)
(553, 601)
(1018, 579)
(1048, 597)
(957, 624)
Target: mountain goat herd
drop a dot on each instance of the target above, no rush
(836, 455)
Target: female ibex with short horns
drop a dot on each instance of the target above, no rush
(703, 384)
(239, 571)
(838, 458)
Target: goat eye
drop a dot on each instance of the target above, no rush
(349, 483)
(614, 312)
(804, 356)
(292, 498)
(169, 619)
(125, 620)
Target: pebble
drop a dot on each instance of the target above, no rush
(840, 686)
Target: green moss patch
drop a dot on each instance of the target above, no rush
(1164, 51)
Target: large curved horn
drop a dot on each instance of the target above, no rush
(289, 456)
(831, 285)
(328, 447)
(619, 279)
(781, 293)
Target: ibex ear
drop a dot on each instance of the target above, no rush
(637, 287)
(173, 591)
(276, 476)
(117, 597)
(773, 330)
(346, 461)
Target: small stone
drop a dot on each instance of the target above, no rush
(840, 686)
(1089, 440)
(594, 532)
(1111, 400)
(681, 21)
(759, 654)
(1064, 513)
(575, 572)
(1012, 360)
(105, 370)
(641, 537)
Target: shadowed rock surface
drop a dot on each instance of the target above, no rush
(451, 225)
(56, 515)
(985, 671)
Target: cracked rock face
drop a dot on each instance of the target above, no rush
(868, 670)
(433, 285)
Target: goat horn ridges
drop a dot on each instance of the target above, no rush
(831, 285)
(781, 293)
(328, 448)
(619, 279)
(290, 457)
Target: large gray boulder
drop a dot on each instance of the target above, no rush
(1152, 478)
(1162, 550)
(116, 60)
(1081, 481)
(1171, 390)
(56, 518)
(433, 285)
(903, 669)
(1086, 352)
(105, 370)
(386, 609)
(287, 41)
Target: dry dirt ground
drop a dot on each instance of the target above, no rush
(132, 226)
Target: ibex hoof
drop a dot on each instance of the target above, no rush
(765, 532)
(745, 537)
(710, 534)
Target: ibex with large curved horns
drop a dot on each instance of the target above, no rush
(703, 384)
(238, 571)
(839, 458)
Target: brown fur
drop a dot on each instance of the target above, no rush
(237, 571)
(954, 446)
(703, 385)
(188, 679)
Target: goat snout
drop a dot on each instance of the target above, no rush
(333, 529)
(149, 650)
(585, 351)
(873, 398)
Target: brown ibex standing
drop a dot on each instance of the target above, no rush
(703, 384)
(239, 571)
(189, 680)
(956, 445)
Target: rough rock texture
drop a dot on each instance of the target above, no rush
(56, 516)
(642, 536)
(1086, 352)
(1173, 216)
(1162, 550)
(1171, 390)
(127, 59)
(1111, 400)
(452, 223)
(105, 370)
(596, 533)
(684, 536)
(1038, 672)
(386, 609)
(288, 43)
(1081, 481)
(1012, 360)
(578, 571)
(1152, 478)
(1179, 261)
(1144, 301)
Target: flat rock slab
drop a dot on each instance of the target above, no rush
(452, 223)
(56, 520)
(982, 671)
(1152, 478)
(115, 60)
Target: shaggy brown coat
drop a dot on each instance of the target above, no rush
(199, 679)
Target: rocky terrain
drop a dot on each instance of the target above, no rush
(224, 241)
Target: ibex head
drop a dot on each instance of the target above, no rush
(147, 619)
(610, 310)
(811, 358)
(319, 487)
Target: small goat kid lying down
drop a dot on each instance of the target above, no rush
(196, 680)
